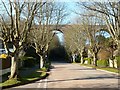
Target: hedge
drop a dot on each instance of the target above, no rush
(77, 59)
(89, 60)
(118, 61)
(28, 61)
(102, 63)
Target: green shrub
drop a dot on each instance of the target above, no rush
(118, 61)
(47, 65)
(44, 69)
(77, 60)
(89, 60)
(28, 61)
(102, 63)
(31, 52)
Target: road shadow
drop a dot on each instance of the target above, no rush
(84, 69)
(87, 78)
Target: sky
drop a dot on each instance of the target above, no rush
(71, 6)
(60, 37)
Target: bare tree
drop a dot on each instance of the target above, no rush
(43, 33)
(110, 12)
(75, 38)
(21, 16)
(89, 23)
(60, 14)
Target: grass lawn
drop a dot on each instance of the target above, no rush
(115, 70)
(110, 69)
(38, 74)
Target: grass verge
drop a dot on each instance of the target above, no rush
(115, 70)
(34, 76)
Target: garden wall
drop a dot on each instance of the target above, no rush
(5, 65)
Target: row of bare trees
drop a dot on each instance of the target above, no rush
(94, 18)
(29, 22)
(83, 32)
(110, 14)
(75, 40)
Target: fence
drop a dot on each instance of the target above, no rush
(5, 66)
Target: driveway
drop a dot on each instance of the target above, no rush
(66, 75)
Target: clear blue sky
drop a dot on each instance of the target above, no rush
(71, 7)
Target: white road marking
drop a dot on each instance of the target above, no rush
(42, 84)
(45, 84)
(39, 84)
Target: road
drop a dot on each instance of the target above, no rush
(66, 75)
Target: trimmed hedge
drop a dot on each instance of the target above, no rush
(28, 61)
(102, 63)
(118, 61)
(77, 59)
(89, 60)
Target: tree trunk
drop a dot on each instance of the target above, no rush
(118, 48)
(95, 59)
(73, 58)
(113, 63)
(41, 61)
(116, 53)
(14, 66)
(81, 55)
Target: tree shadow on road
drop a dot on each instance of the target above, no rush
(87, 78)
(85, 69)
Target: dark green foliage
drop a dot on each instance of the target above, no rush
(77, 60)
(28, 61)
(47, 64)
(102, 63)
(68, 55)
(89, 60)
(57, 54)
(5, 77)
(118, 61)
(31, 52)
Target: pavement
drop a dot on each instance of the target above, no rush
(67, 75)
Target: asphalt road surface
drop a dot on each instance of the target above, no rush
(66, 75)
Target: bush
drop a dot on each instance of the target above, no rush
(118, 61)
(77, 60)
(28, 61)
(47, 65)
(102, 63)
(31, 52)
(88, 59)
(44, 69)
